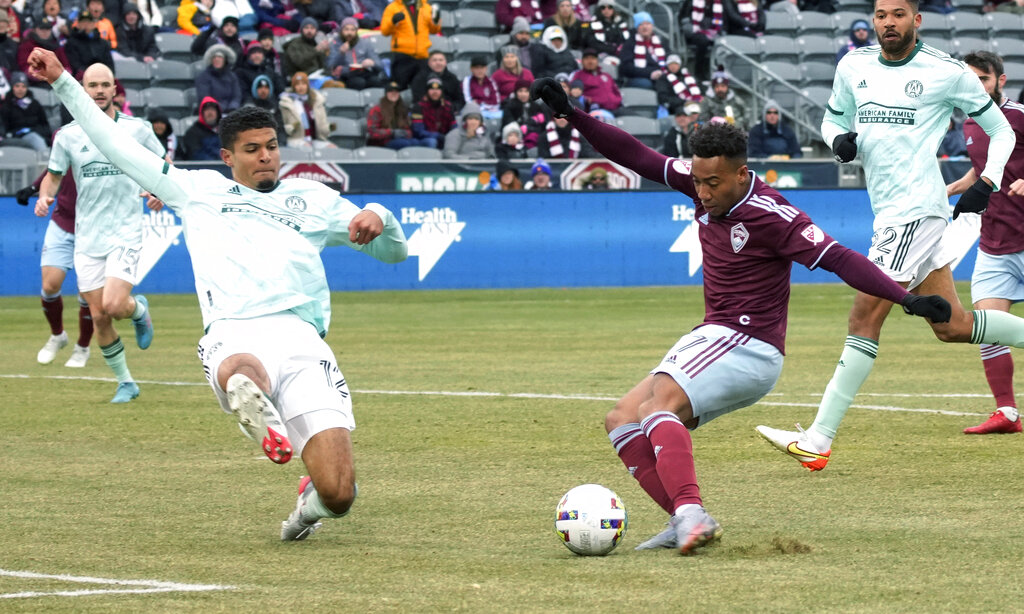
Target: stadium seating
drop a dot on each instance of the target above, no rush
(1005, 24)
(933, 27)
(815, 48)
(132, 73)
(376, 154)
(969, 24)
(817, 73)
(371, 96)
(174, 101)
(778, 47)
(468, 45)
(646, 129)
(966, 44)
(842, 19)
(475, 21)
(174, 46)
(293, 154)
(344, 102)
(638, 101)
(333, 154)
(419, 153)
(441, 43)
(172, 73)
(813, 22)
(136, 101)
(348, 132)
(459, 68)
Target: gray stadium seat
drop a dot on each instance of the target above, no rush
(967, 44)
(459, 68)
(136, 100)
(348, 132)
(419, 153)
(646, 129)
(786, 71)
(169, 14)
(934, 26)
(817, 73)
(376, 153)
(950, 46)
(468, 45)
(181, 125)
(780, 22)
(294, 154)
(46, 97)
(441, 43)
(172, 73)
(1005, 24)
(863, 6)
(841, 21)
(174, 46)
(969, 24)
(778, 47)
(132, 73)
(333, 154)
(18, 156)
(638, 101)
(817, 49)
(381, 44)
(813, 22)
(1011, 49)
(174, 101)
(372, 96)
(475, 21)
(749, 47)
(344, 102)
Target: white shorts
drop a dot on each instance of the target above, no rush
(92, 272)
(58, 248)
(721, 370)
(306, 385)
(908, 253)
(998, 277)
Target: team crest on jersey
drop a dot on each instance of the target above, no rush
(295, 203)
(970, 140)
(681, 166)
(913, 89)
(738, 237)
(813, 234)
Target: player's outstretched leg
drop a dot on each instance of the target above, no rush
(143, 322)
(796, 444)
(695, 528)
(258, 418)
(53, 345)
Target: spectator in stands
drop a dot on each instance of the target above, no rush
(559, 139)
(218, 81)
(272, 58)
(744, 17)
(509, 72)
(860, 36)
(676, 86)
(520, 39)
(304, 115)
(511, 145)
(772, 137)
(388, 124)
(506, 12)
(943, 7)
(303, 53)
(322, 11)
(113, 9)
(85, 47)
(120, 100)
(104, 25)
(163, 129)
(469, 140)
(353, 60)
(255, 64)
(609, 29)
(643, 59)
(263, 95)
(437, 67)
(370, 14)
(953, 144)
(553, 56)
(8, 46)
(723, 103)
(1005, 6)
(41, 35)
(505, 177)
(23, 116)
(478, 87)
(201, 141)
(677, 140)
(598, 86)
(540, 174)
(433, 116)
(136, 39)
(576, 96)
(239, 10)
(409, 25)
(54, 14)
(14, 20)
(194, 16)
(597, 179)
(276, 15)
(519, 109)
(576, 31)
(701, 22)
(149, 13)
(226, 34)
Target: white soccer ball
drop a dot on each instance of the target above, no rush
(590, 520)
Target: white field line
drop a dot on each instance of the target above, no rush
(137, 586)
(578, 397)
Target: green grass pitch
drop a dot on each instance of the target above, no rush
(468, 434)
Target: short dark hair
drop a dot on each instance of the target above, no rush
(985, 61)
(915, 5)
(245, 118)
(719, 139)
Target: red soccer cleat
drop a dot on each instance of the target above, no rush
(996, 423)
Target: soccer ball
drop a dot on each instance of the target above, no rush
(590, 520)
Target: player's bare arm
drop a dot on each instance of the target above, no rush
(960, 185)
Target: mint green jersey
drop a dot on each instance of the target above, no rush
(900, 112)
(108, 211)
(253, 253)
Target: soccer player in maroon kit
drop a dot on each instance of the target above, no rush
(750, 236)
(998, 279)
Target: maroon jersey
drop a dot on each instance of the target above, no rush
(748, 255)
(64, 213)
(1001, 223)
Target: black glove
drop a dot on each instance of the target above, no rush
(974, 200)
(552, 93)
(25, 193)
(397, 17)
(844, 147)
(932, 306)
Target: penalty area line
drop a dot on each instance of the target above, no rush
(569, 397)
(131, 586)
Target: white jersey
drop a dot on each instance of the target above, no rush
(900, 112)
(108, 211)
(253, 253)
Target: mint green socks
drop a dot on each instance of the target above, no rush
(854, 366)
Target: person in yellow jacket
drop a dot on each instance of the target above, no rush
(409, 24)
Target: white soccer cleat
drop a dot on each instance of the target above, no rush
(79, 356)
(796, 444)
(53, 345)
(294, 529)
(665, 539)
(695, 528)
(258, 418)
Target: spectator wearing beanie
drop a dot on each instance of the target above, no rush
(469, 141)
(479, 88)
(860, 36)
(303, 53)
(263, 95)
(226, 34)
(517, 108)
(510, 70)
(676, 86)
(540, 176)
(163, 129)
(609, 29)
(389, 124)
(433, 116)
(85, 46)
(642, 60)
(254, 64)
(598, 86)
(136, 39)
(353, 60)
(437, 67)
(521, 38)
(511, 146)
(266, 40)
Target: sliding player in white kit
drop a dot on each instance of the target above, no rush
(892, 102)
(255, 247)
(108, 225)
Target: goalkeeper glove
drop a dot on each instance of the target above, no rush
(932, 306)
(553, 95)
(974, 200)
(844, 147)
(25, 193)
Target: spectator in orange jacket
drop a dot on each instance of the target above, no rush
(409, 26)
(103, 25)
